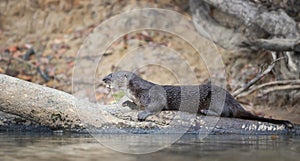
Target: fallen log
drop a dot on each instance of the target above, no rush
(62, 111)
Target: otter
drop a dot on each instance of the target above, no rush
(154, 98)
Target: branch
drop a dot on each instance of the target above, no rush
(280, 88)
(278, 44)
(60, 110)
(257, 78)
(282, 85)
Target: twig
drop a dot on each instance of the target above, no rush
(280, 88)
(284, 85)
(258, 77)
(43, 74)
(29, 52)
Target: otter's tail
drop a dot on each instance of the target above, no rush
(249, 116)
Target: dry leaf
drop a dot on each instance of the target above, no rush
(13, 48)
(24, 77)
(2, 70)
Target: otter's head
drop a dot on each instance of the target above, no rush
(118, 80)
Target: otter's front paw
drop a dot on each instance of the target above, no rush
(124, 104)
(130, 104)
(143, 115)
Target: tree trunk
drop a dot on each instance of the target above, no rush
(252, 26)
(59, 110)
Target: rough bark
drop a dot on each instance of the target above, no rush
(259, 21)
(275, 22)
(59, 110)
(277, 44)
(258, 25)
(209, 27)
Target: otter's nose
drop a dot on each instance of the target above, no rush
(107, 78)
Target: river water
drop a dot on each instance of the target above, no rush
(63, 147)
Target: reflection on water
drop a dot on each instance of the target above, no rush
(36, 147)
